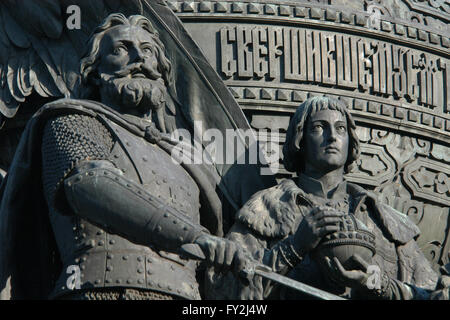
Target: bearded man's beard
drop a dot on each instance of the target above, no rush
(135, 95)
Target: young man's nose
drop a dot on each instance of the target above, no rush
(331, 132)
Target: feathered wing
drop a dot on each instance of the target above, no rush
(22, 70)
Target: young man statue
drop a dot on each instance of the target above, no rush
(321, 230)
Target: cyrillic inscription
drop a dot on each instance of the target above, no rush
(300, 55)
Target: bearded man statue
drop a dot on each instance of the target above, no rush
(108, 207)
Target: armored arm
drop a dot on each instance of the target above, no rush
(77, 175)
(102, 195)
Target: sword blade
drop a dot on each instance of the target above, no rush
(297, 285)
(194, 251)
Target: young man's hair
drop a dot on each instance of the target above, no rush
(294, 148)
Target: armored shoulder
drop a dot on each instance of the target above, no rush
(272, 212)
(66, 141)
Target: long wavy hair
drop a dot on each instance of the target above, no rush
(91, 58)
(294, 148)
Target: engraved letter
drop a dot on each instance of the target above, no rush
(446, 67)
(293, 54)
(244, 40)
(328, 59)
(399, 72)
(411, 83)
(365, 65)
(313, 56)
(260, 67)
(227, 37)
(346, 55)
(275, 43)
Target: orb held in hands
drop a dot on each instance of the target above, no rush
(353, 238)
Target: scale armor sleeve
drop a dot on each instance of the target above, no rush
(106, 198)
(68, 140)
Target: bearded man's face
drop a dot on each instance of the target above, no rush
(128, 70)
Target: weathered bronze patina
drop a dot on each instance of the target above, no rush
(227, 64)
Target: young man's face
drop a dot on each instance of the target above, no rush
(326, 140)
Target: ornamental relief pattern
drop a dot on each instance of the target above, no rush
(412, 11)
(412, 176)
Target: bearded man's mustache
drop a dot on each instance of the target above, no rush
(139, 68)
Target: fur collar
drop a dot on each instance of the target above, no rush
(275, 212)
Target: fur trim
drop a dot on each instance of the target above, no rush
(272, 212)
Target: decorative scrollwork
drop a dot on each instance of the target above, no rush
(373, 167)
(432, 251)
(376, 7)
(442, 183)
(414, 210)
(439, 152)
(428, 180)
(381, 137)
(437, 7)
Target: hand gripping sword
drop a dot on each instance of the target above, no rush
(193, 251)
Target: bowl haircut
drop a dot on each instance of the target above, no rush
(294, 147)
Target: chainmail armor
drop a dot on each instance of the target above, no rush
(66, 141)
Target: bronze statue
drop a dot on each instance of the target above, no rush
(321, 230)
(119, 207)
(385, 60)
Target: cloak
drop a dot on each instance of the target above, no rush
(271, 215)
